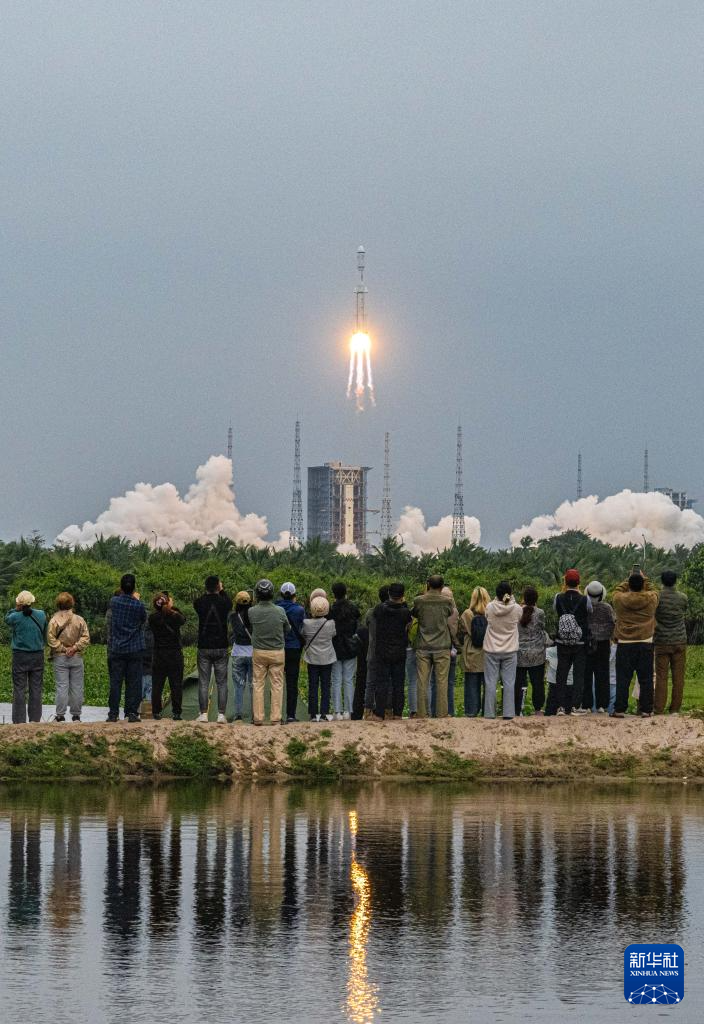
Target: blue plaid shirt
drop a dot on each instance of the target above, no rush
(127, 616)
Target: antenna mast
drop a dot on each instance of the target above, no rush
(579, 475)
(385, 524)
(296, 533)
(458, 511)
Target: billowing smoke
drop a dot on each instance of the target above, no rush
(623, 518)
(347, 549)
(159, 515)
(418, 538)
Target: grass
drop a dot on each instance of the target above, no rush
(69, 755)
(315, 762)
(191, 756)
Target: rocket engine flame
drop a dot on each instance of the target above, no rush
(360, 373)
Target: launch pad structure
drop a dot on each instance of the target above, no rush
(337, 504)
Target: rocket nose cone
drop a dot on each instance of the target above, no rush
(361, 249)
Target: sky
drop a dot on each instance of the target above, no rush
(183, 189)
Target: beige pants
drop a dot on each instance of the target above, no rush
(267, 663)
(425, 660)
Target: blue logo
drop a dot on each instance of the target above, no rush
(653, 973)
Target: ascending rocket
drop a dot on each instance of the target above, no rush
(360, 372)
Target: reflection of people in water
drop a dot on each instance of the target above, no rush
(25, 888)
(64, 896)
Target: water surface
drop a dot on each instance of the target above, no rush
(381, 902)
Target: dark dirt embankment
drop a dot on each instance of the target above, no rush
(535, 749)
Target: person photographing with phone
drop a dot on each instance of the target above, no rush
(635, 603)
(165, 623)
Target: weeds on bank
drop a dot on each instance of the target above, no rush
(191, 756)
(318, 763)
(68, 755)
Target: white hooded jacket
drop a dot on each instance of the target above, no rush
(501, 635)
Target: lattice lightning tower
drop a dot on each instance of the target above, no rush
(579, 475)
(458, 510)
(229, 442)
(385, 524)
(296, 534)
(646, 480)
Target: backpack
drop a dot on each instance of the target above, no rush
(569, 630)
(477, 630)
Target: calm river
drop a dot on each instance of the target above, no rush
(389, 902)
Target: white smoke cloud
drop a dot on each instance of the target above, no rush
(207, 511)
(347, 549)
(622, 518)
(419, 539)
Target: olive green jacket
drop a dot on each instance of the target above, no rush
(670, 615)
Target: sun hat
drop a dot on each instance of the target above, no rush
(596, 590)
(25, 597)
(318, 592)
(243, 597)
(319, 606)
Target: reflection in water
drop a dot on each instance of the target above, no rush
(241, 892)
(362, 999)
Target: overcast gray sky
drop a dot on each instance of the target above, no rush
(183, 189)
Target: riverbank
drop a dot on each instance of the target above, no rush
(535, 749)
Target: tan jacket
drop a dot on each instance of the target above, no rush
(635, 613)
(472, 657)
(66, 629)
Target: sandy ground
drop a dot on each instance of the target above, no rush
(538, 748)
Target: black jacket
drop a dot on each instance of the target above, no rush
(571, 602)
(345, 615)
(212, 610)
(166, 629)
(391, 621)
(241, 629)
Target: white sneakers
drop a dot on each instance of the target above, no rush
(203, 717)
(328, 718)
(347, 716)
(221, 719)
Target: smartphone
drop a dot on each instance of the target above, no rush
(636, 568)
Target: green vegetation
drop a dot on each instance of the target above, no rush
(191, 756)
(316, 762)
(91, 574)
(69, 755)
(73, 755)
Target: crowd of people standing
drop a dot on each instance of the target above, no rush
(398, 655)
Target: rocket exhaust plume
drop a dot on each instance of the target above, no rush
(360, 378)
(360, 375)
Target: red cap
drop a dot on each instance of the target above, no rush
(572, 577)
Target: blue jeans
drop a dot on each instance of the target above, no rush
(146, 686)
(343, 680)
(473, 687)
(451, 679)
(241, 677)
(412, 680)
(127, 667)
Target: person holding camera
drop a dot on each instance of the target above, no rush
(165, 623)
(635, 603)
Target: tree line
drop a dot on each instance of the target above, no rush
(92, 573)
